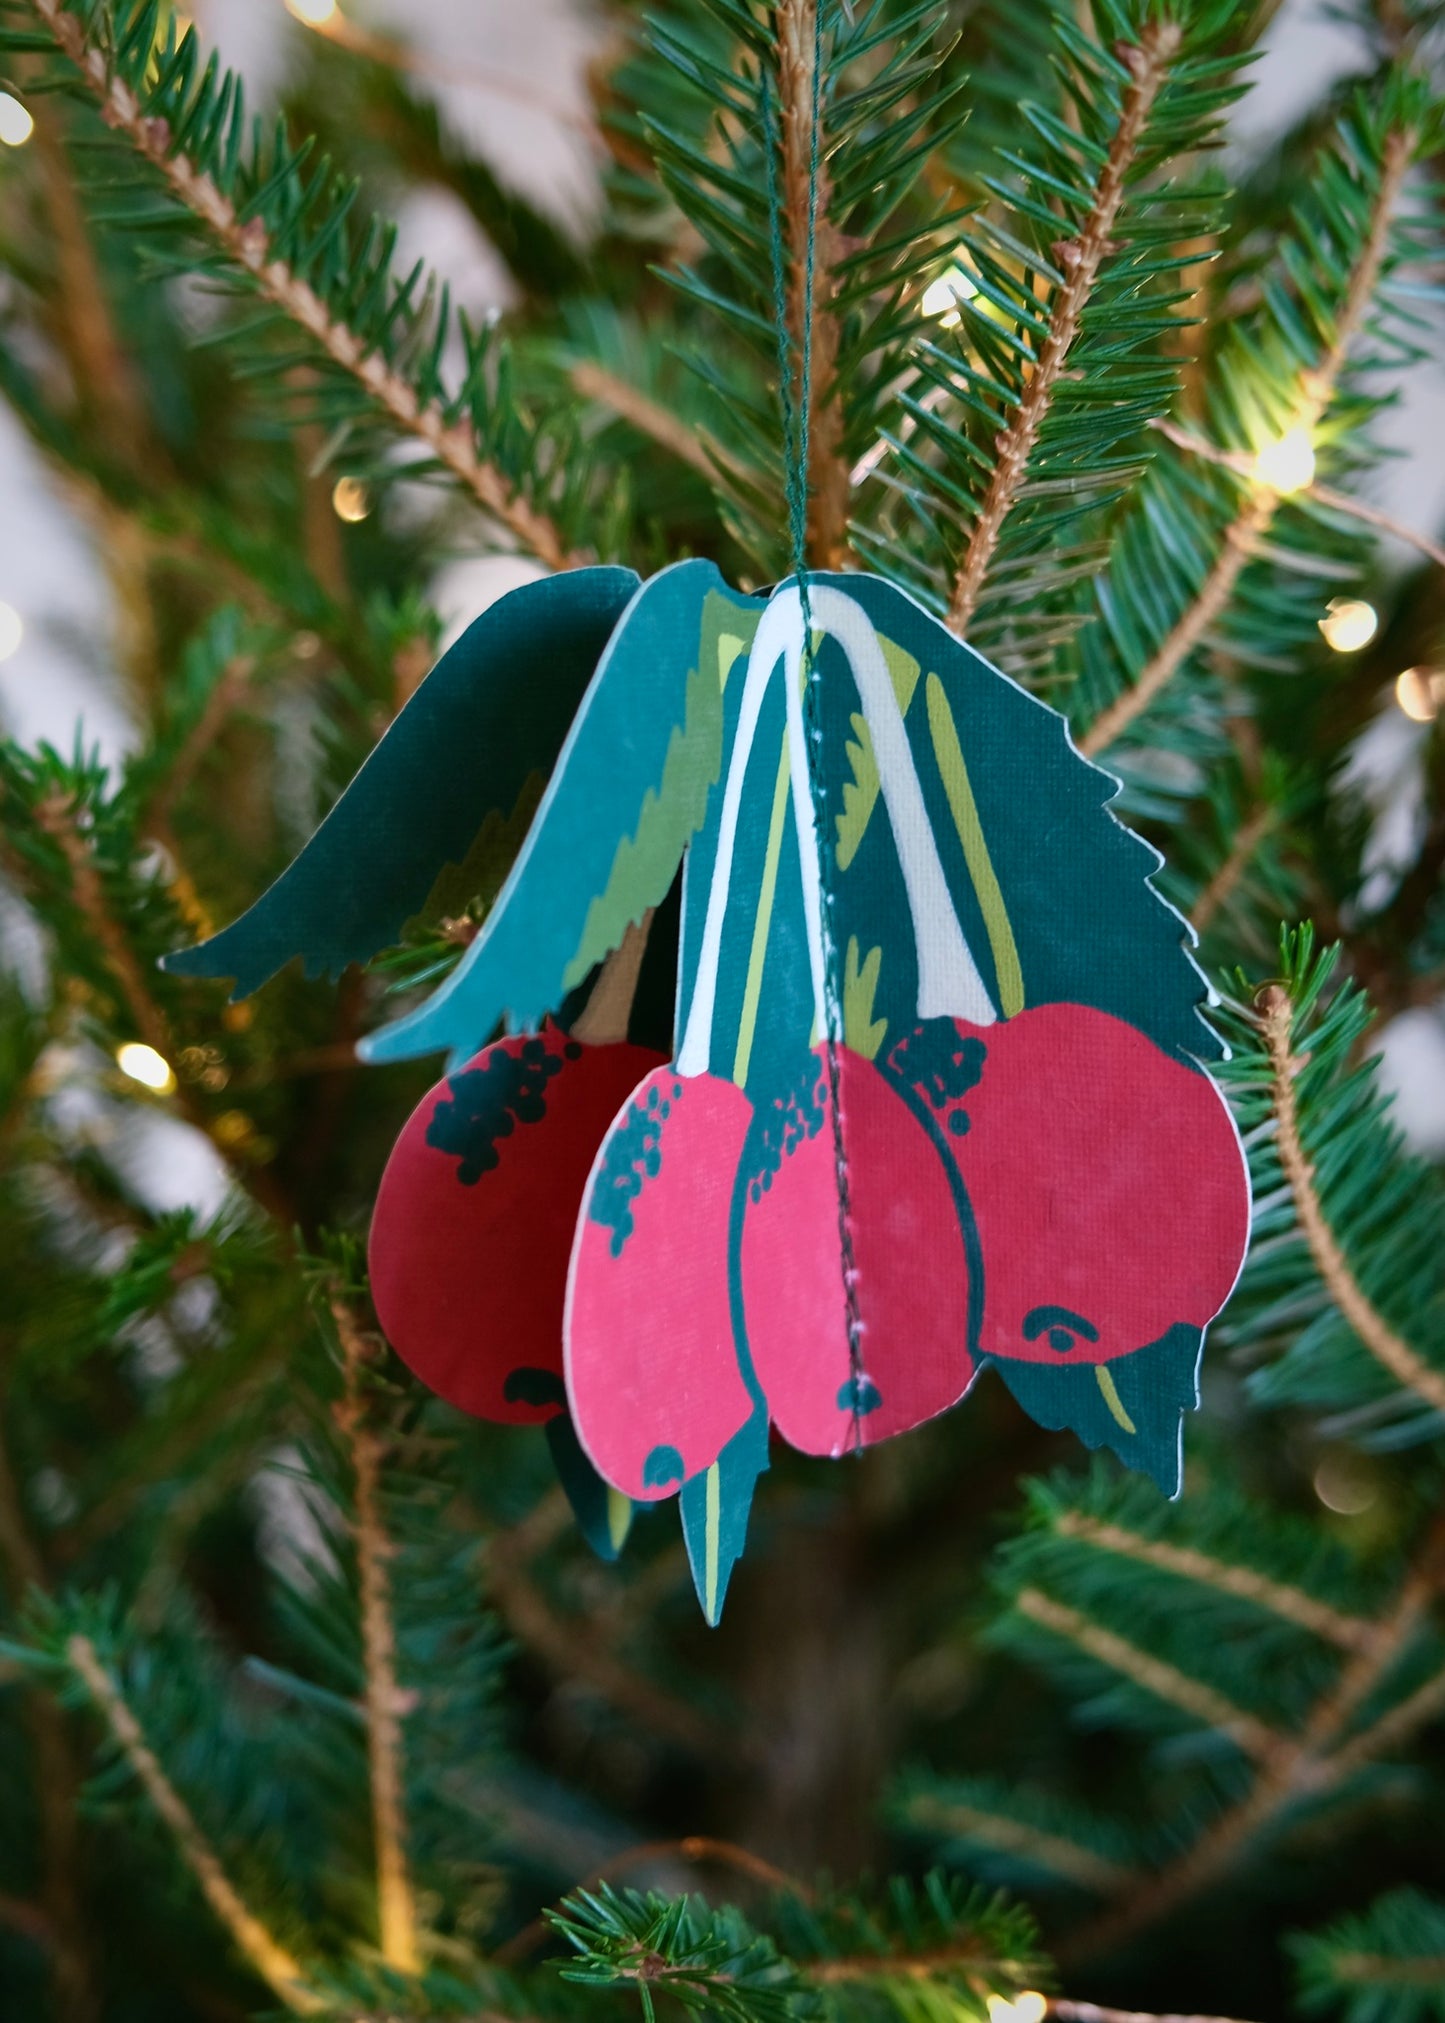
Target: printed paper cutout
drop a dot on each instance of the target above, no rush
(936, 1099)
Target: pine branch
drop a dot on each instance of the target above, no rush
(1052, 1852)
(59, 1921)
(1166, 1682)
(1308, 1764)
(385, 1701)
(1291, 1604)
(1227, 879)
(1388, 1347)
(246, 243)
(1317, 387)
(56, 817)
(264, 1953)
(1081, 257)
(806, 210)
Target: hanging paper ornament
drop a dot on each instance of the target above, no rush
(936, 1099)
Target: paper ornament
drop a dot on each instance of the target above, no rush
(935, 1098)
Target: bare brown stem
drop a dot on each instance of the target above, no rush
(1051, 1851)
(1317, 388)
(1404, 1363)
(266, 1955)
(1200, 1702)
(812, 326)
(385, 1702)
(1081, 259)
(1291, 1604)
(246, 243)
(649, 417)
(1226, 880)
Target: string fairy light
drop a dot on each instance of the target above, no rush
(144, 1065)
(1287, 465)
(942, 296)
(1348, 624)
(314, 13)
(1027, 2007)
(12, 631)
(1420, 692)
(350, 500)
(16, 125)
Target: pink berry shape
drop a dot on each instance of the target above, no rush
(653, 1379)
(474, 1218)
(841, 1373)
(1106, 1179)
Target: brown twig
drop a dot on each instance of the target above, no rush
(1337, 502)
(1317, 387)
(1081, 258)
(246, 243)
(385, 1702)
(649, 417)
(1307, 1764)
(1226, 880)
(1404, 1363)
(812, 325)
(1166, 1682)
(1052, 1851)
(694, 1847)
(1291, 1604)
(266, 1955)
(1424, 1970)
(1068, 2011)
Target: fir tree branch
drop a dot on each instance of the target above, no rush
(56, 817)
(60, 1916)
(650, 418)
(245, 242)
(1326, 495)
(1291, 1604)
(828, 470)
(1309, 1764)
(1069, 1859)
(1404, 1363)
(1165, 1681)
(1252, 521)
(569, 1648)
(1227, 879)
(27, 1919)
(1148, 62)
(264, 1952)
(384, 1700)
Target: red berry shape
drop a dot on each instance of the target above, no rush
(652, 1373)
(904, 1250)
(474, 1218)
(1107, 1182)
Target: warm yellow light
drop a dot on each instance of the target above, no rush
(1343, 1485)
(11, 630)
(1287, 465)
(144, 1065)
(350, 500)
(16, 125)
(1028, 2007)
(1420, 692)
(1349, 623)
(315, 13)
(942, 297)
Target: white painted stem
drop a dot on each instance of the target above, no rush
(949, 982)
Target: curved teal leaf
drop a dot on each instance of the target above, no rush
(630, 789)
(491, 715)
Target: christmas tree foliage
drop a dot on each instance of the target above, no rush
(312, 1699)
